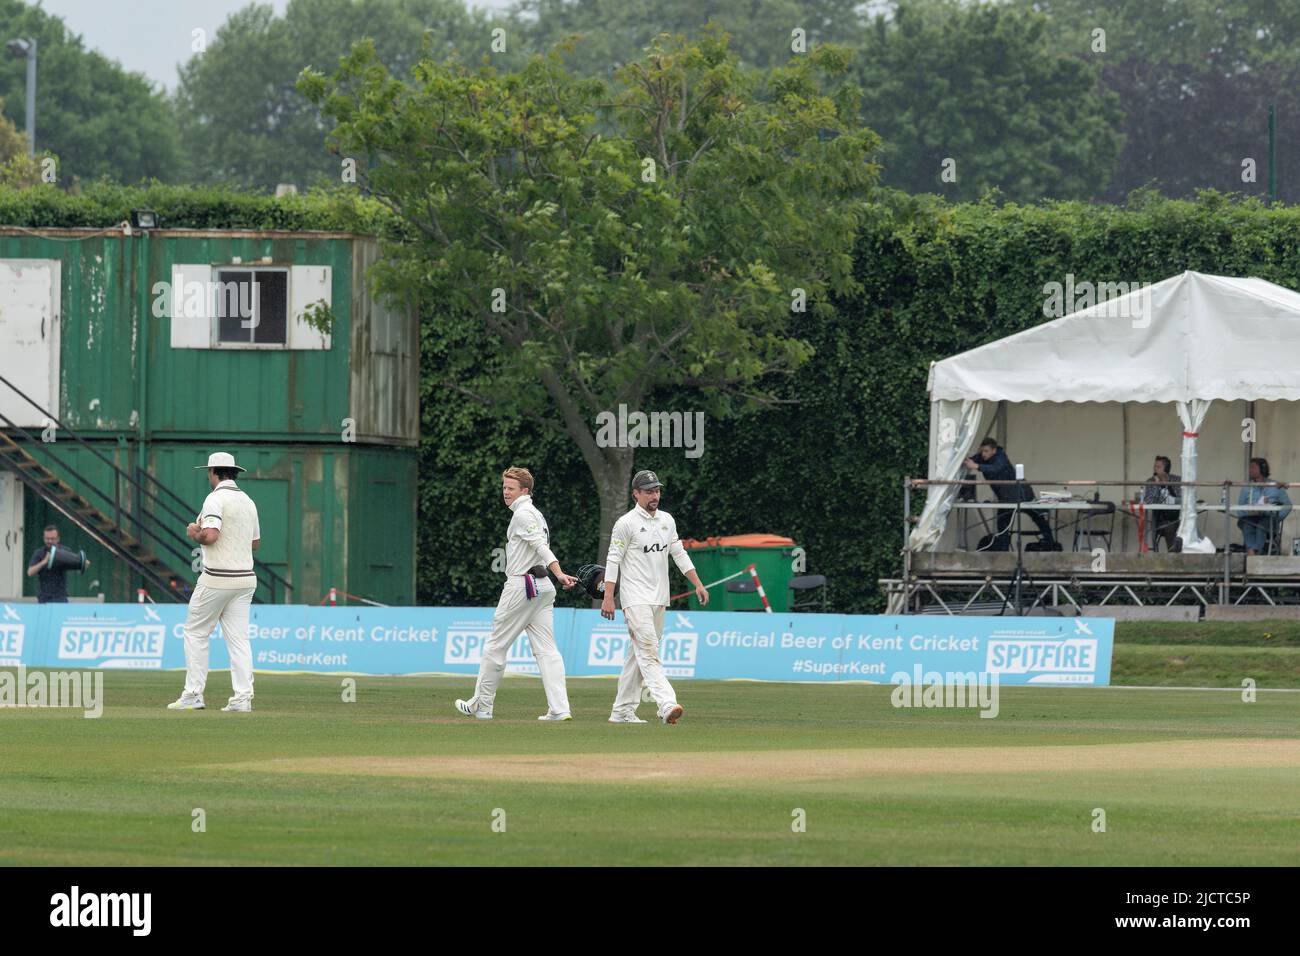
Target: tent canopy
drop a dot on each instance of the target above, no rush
(1191, 336)
(1190, 340)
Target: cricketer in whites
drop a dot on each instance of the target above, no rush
(527, 603)
(639, 548)
(227, 529)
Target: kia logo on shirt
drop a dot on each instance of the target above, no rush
(652, 547)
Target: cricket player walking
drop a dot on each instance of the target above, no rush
(228, 531)
(527, 604)
(638, 561)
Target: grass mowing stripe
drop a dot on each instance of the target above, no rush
(121, 789)
(1211, 666)
(1170, 818)
(1275, 633)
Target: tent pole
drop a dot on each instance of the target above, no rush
(907, 542)
(1250, 445)
(1226, 590)
(1124, 470)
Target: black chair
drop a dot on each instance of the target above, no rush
(803, 584)
(744, 586)
(1096, 522)
(1274, 545)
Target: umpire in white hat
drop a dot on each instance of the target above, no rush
(228, 532)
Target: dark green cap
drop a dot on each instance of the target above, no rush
(646, 481)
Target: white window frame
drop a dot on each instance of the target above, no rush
(217, 342)
(305, 286)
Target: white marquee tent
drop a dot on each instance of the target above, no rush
(1087, 396)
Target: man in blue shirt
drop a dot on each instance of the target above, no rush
(52, 585)
(992, 462)
(1261, 530)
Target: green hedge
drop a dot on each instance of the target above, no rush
(104, 204)
(937, 280)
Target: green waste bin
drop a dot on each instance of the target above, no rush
(773, 559)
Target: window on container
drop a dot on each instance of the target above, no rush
(252, 306)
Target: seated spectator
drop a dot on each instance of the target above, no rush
(992, 462)
(1162, 488)
(1261, 530)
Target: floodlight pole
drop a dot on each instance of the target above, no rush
(31, 99)
(1272, 154)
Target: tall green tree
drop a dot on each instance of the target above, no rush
(18, 170)
(1230, 35)
(609, 33)
(603, 268)
(242, 121)
(1195, 79)
(98, 119)
(979, 92)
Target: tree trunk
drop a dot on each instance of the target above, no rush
(611, 467)
(613, 485)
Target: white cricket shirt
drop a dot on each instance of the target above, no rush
(528, 539)
(228, 562)
(638, 556)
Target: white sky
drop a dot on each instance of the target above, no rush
(153, 36)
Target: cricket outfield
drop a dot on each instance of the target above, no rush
(755, 773)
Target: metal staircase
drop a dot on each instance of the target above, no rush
(145, 537)
(84, 515)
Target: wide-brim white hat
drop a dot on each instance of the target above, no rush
(221, 459)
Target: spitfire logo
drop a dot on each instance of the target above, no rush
(608, 647)
(11, 638)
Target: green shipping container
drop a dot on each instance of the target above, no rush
(339, 515)
(125, 338)
(101, 349)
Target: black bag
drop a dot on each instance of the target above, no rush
(66, 560)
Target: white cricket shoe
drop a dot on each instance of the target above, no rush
(550, 716)
(625, 719)
(463, 707)
(672, 714)
(238, 706)
(187, 702)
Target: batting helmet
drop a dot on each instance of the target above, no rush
(592, 579)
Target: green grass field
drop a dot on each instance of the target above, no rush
(1184, 776)
(1207, 654)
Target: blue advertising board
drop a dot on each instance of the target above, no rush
(696, 644)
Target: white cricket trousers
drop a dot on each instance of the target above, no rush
(645, 626)
(229, 606)
(516, 614)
